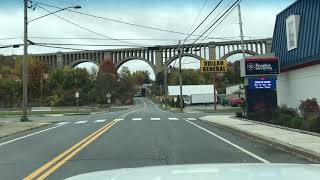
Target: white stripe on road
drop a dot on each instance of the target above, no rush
(100, 120)
(62, 123)
(155, 119)
(80, 122)
(191, 119)
(118, 120)
(136, 119)
(230, 143)
(7, 142)
(173, 119)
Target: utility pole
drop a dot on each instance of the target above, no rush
(166, 86)
(25, 64)
(243, 50)
(241, 33)
(180, 50)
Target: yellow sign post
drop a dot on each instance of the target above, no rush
(217, 66)
(214, 66)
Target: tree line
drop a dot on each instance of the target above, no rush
(57, 87)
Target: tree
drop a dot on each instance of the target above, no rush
(107, 67)
(10, 92)
(141, 77)
(64, 82)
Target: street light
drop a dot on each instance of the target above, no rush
(25, 54)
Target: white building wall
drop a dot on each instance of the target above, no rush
(296, 85)
(232, 89)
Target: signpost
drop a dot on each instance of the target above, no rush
(108, 95)
(214, 66)
(77, 95)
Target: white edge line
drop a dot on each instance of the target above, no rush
(230, 143)
(7, 142)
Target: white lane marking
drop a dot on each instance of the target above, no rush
(230, 143)
(62, 123)
(80, 122)
(173, 119)
(136, 119)
(100, 120)
(118, 120)
(191, 119)
(155, 119)
(7, 142)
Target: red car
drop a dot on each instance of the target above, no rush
(236, 102)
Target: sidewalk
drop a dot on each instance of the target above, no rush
(293, 140)
(10, 128)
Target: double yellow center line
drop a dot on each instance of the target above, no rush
(48, 168)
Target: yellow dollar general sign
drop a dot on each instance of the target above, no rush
(213, 65)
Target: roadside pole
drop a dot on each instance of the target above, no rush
(180, 76)
(214, 90)
(25, 68)
(243, 54)
(77, 94)
(166, 86)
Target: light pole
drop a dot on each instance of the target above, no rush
(25, 55)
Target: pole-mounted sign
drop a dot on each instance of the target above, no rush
(214, 66)
(217, 66)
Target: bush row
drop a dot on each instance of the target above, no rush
(306, 117)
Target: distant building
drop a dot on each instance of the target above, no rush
(296, 41)
(235, 91)
(200, 93)
(188, 90)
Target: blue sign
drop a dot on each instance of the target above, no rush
(263, 83)
(262, 66)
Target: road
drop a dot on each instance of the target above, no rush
(141, 136)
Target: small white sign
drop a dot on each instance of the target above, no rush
(109, 101)
(77, 94)
(108, 95)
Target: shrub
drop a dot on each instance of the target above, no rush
(239, 114)
(284, 109)
(265, 115)
(309, 109)
(296, 122)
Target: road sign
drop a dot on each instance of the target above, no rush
(261, 66)
(217, 66)
(77, 94)
(108, 101)
(108, 95)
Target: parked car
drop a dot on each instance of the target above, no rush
(236, 102)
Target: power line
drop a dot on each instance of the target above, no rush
(220, 21)
(203, 20)
(118, 21)
(194, 22)
(75, 24)
(57, 47)
(68, 44)
(234, 4)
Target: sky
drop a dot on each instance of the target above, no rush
(177, 15)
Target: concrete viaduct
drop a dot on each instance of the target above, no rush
(158, 56)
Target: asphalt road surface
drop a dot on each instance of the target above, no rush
(141, 136)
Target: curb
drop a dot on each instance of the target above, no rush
(33, 128)
(278, 126)
(298, 151)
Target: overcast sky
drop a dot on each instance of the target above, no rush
(177, 15)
